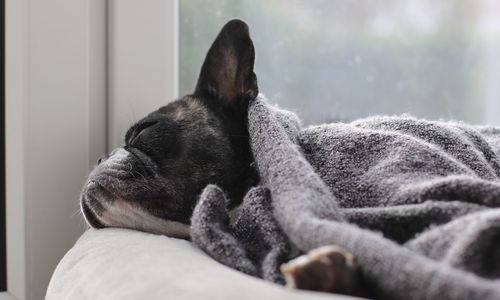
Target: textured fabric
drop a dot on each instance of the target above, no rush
(415, 201)
(111, 264)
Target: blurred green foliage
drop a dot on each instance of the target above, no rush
(322, 59)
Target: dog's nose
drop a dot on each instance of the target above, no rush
(101, 159)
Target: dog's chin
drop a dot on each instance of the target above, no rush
(91, 217)
(93, 202)
(102, 208)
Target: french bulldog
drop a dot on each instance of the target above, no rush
(153, 182)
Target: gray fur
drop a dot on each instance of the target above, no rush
(414, 201)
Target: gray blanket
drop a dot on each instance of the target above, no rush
(415, 201)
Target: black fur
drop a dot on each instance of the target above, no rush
(197, 140)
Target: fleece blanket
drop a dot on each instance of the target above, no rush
(416, 202)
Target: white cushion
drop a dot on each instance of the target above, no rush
(125, 264)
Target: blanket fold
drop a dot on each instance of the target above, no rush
(414, 201)
(256, 248)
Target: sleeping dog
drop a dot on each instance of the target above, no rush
(153, 182)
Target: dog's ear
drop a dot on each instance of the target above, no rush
(228, 68)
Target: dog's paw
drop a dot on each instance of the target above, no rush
(327, 269)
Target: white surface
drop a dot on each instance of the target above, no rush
(53, 105)
(142, 61)
(126, 264)
(16, 68)
(6, 296)
(56, 92)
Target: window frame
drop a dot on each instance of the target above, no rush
(143, 52)
(64, 68)
(96, 42)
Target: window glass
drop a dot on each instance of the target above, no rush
(332, 60)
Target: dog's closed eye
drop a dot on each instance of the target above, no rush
(136, 131)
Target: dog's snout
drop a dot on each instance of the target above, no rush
(103, 158)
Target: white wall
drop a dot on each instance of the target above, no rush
(78, 74)
(55, 115)
(142, 61)
(16, 66)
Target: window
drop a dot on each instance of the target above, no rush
(340, 60)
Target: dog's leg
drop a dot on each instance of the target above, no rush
(327, 269)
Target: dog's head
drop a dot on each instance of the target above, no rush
(152, 183)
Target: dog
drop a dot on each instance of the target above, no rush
(153, 182)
